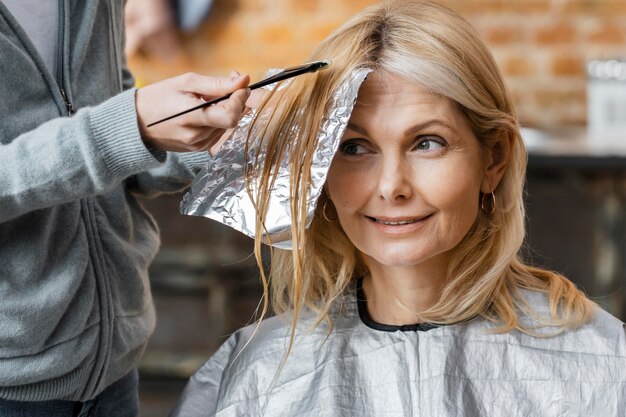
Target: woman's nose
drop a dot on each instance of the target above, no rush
(394, 182)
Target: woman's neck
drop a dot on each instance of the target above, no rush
(396, 295)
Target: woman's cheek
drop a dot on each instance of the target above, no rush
(344, 185)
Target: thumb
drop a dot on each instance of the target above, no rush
(212, 87)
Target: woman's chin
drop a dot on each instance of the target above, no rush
(399, 259)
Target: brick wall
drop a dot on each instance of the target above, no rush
(541, 45)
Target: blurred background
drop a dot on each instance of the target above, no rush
(564, 62)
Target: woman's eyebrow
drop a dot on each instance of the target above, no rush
(427, 124)
(357, 129)
(411, 130)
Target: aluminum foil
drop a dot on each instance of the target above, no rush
(219, 191)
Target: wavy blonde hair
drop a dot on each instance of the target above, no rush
(428, 44)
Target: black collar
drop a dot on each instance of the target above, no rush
(366, 319)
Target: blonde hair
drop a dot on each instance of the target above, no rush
(430, 45)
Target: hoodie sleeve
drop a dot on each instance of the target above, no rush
(73, 157)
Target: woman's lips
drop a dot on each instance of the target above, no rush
(398, 224)
(397, 220)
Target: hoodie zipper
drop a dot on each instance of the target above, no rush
(60, 70)
(102, 359)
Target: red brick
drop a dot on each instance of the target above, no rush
(548, 97)
(356, 5)
(318, 32)
(503, 35)
(517, 66)
(280, 54)
(483, 7)
(609, 34)
(474, 7)
(571, 66)
(227, 31)
(558, 33)
(304, 6)
(275, 33)
(599, 7)
(528, 6)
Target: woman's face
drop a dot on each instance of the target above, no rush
(406, 179)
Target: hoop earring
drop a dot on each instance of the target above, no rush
(492, 205)
(324, 212)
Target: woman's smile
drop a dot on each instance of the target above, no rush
(397, 225)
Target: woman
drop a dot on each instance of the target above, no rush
(406, 295)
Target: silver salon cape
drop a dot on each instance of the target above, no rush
(363, 369)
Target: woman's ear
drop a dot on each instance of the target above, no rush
(497, 157)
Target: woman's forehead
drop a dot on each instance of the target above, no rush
(389, 93)
(391, 89)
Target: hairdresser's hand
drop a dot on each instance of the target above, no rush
(197, 130)
(254, 101)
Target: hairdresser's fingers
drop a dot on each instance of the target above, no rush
(255, 99)
(225, 114)
(213, 87)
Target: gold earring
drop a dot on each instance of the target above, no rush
(324, 212)
(492, 205)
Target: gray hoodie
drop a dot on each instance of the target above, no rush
(75, 244)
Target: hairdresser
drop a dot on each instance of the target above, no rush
(75, 244)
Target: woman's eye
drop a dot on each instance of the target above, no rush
(429, 144)
(352, 148)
